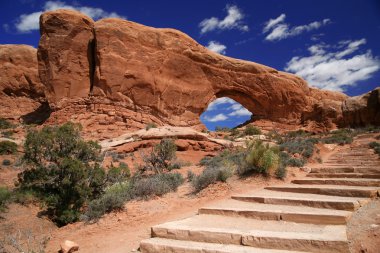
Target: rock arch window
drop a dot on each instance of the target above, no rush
(224, 112)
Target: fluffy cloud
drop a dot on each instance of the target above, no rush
(335, 67)
(215, 104)
(217, 47)
(238, 110)
(216, 118)
(233, 20)
(276, 29)
(29, 22)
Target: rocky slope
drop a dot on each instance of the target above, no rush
(115, 74)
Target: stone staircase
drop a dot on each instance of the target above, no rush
(308, 215)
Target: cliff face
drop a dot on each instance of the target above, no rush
(115, 74)
(21, 91)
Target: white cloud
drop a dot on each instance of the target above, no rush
(233, 20)
(217, 47)
(238, 110)
(334, 67)
(29, 22)
(216, 118)
(276, 29)
(224, 100)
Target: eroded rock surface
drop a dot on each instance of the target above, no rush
(21, 91)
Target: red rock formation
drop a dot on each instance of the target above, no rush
(21, 92)
(362, 110)
(144, 74)
(65, 56)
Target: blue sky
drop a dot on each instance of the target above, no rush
(333, 44)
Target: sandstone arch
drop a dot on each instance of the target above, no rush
(143, 74)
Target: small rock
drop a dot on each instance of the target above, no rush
(69, 247)
(306, 169)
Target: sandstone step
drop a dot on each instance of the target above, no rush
(162, 245)
(339, 181)
(257, 233)
(343, 175)
(333, 190)
(346, 169)
(303, 199)
(302, 214)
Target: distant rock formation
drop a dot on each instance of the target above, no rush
(115, 74)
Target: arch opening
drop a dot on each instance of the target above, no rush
(225, 112)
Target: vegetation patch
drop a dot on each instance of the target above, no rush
(5, 196)
(150, 125)
(375, 146)
(5, 124)
(8, 148)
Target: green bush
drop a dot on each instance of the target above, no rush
(304, 147)
(281, 172)
(209, 176)
(150, 125)
(118, 174)
(252, 130)
(160, 158)
(190, 176)
(113, 199)
(7, 148)
(156, 185)
(6, 162)
(286, 160)
(297, 134)
(62, 170)
(7, 134)
(261, 158)
(5, 195)
(375, 146)
(4, 124)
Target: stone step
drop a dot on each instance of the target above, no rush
(343, 175)
(162, 245)
(303, 199)
(256, 233)
(339, 181)
(333, 190)
(301, 214)
(346, 169)
(348, 163)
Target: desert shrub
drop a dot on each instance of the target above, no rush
(5, 124)
(297, 134)
(190, 176)
(281, 172)
(261, 158)
(118, 174)
(23, 197)
(175, 166)
(156, 185)
(150, 125)
(5, 195)
(252, 130)
(7, 147)
(7, 134)
(161, 156)
(375, 146)
(6, 162)
(113, 199)
(341, 137)
(304, 147)
(273, 135)
(222, 129)
(234, 132)
(209, 176)
(287, 160)
(62, 170)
